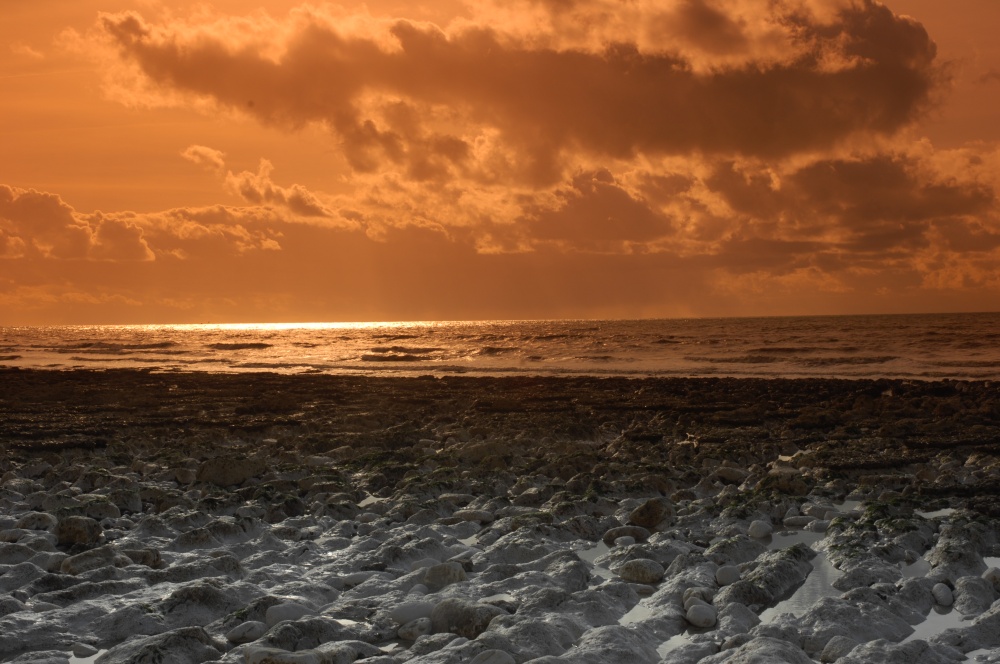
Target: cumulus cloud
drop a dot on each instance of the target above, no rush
(764, 147)
(41, 224)
(258, 189)
(208, 158)
(801, 82)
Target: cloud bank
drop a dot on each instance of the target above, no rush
(691, 148)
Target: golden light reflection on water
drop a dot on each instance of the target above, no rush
(277, 327)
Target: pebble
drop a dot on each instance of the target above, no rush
(943, 595)
(759, 529)
(727, 574)
(701, 615)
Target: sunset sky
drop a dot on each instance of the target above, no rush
(238, 161)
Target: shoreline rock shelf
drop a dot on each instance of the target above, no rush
(316, 519)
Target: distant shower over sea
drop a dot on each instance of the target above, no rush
(926, 346)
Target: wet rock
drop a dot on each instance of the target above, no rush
(37, 521)
(307, 632)
(199, 603)
(735, 550)
(286, 611)
(612, 644)
(973, 595)
(12, 554)
(409, 611)
(866, 573)
(78, 531)
(265, 655)
(481, 516)
(727, 575)
(701, 615)
(18, 576)
(188, 645)
(761, 650)
(493, 657)
(864, 621)
(641, 571)
(759, 529)
(414, 629)
(640, 534)
(463, 618)
(10, 605)
(228, 471)
(444, 574)
(943, 594)
(992, 575)
(837, 647)
(913, 652)
(246, 632)
(651, 513)
(89, 560)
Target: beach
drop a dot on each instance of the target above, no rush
(262, 517)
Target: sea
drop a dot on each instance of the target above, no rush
(920, 346)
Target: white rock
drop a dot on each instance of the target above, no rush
(727, 574)
(942, 594)
(836, 648)
(701, 615)
(993, 576)
(818, 526)
(444, 574)
(798, 521)
(414, 629)
(694, 601)
(493, 657)
(286, 611)
(627, 540)
(84, 650)
(411, 610)
(264, 655)
(423, 563)
(246, 632)
(759, 529)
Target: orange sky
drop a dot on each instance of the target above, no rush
(238, 161)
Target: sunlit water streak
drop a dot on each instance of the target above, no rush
(957, 346)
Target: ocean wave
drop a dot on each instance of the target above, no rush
(972, 364)
(495, 350)
(8, 358)
(743, 359)
(833, 361)
(405, 350)
(255, 345)
(108, 348)
(394, 357)
(394, 337)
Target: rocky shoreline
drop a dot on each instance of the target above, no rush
(264, 518)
